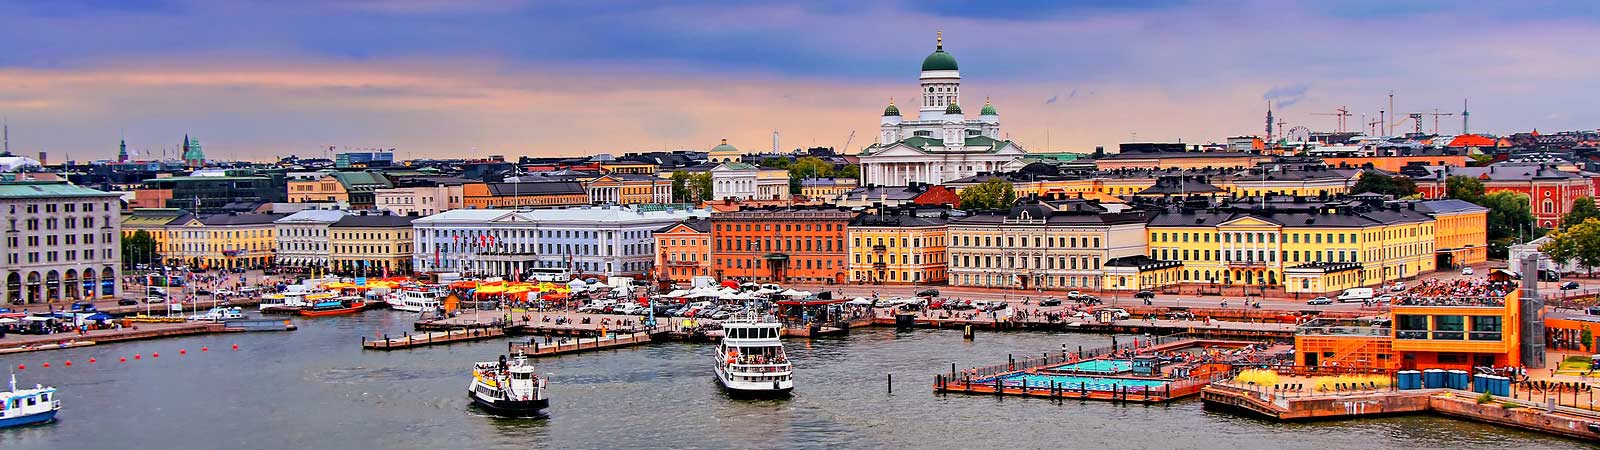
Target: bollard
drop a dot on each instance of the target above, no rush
(890, 382)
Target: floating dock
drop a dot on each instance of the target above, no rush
(563, 346)
(432, 338)
(1279, 405)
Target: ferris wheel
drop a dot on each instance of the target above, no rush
(1298, 134)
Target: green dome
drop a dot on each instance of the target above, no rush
(939, 60)
(988, 110)
(953, 109)
(724, 148)
(891, 110)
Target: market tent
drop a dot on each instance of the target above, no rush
(794, 293)
(809, 302)
(730, 284)
(679, 293)
(7, 320)
(99, 317)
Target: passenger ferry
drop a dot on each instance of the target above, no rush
(750, 361)
(290, 302)
(507, 388)
(27, 406)
(218, 314)
(417, 299)
(334, 307)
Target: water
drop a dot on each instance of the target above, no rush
(316, 389)
(1099, 365)
(1075, 382)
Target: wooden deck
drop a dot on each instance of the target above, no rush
(432, 338)
(535, 348)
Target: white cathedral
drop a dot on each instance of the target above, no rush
(941, 144)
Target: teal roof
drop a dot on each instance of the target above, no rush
(40, 189)
(724, 148)
(922, 143)
(352, 180)
(891, 110)
(939, 60)
(952, 109)
(988, 110)
(191, 150)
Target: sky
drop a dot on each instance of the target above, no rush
(254, 80)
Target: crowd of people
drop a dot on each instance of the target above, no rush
(1455, 292)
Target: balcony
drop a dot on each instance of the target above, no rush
(879, 248)
(1343, 331)
(1247, 264)
(879, 266)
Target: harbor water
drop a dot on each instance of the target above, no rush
(317, 389)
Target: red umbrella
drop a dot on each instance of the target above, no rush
(730, 284)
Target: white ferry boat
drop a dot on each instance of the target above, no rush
(507, 388)
(750, 361)
(289, 302)
(417, 299)
(218, 314)
(27, 406)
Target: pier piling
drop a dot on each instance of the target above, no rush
(890, 382)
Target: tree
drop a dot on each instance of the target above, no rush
(700, 186)
(1464, 188)
(810, 167)
(1378, 183)
(775, 163)
(1587, 337)
(139, 248)
(992, 194)
(680, 186)
(1582, 209)
(1480, 160)
(1510, 217)
(850, 171)
(1579, 243)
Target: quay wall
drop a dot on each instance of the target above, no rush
(1523, 416)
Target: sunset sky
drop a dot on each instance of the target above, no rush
(450, 78)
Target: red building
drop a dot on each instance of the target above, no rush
(1550, 192)
(794, 244)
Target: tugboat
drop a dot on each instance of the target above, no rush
(507, 389)
(27, 406)
(750, 361)
(334, 307)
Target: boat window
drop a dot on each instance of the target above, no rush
(44, 398)
(32, 400)
(522, 376)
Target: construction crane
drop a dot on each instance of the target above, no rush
(1340, 113)
(1415, 118)
(1436, 114)
(846, 148)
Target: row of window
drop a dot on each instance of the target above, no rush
(780, 245)
(1070, 262)
(1024, 241)
(793, 263)
(781, 227)
(1332, 255)
(54, 256)
(62, 207)
(51, 223)
(1289, 238)
(915, 258)
(908, 242)
(1448, 327)
(69, 239)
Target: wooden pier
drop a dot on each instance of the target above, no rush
(562, 346)
(432, 338)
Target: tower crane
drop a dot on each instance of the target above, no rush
(846, 147)
(1340, 113)
(1415, 118)
(1436, 114)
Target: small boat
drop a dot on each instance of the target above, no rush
(334, 307)
(218, 314)
(285, 302)
(27, 406)
(417, 299)
(507, 388)
(750, 361)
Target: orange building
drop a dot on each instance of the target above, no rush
(1396, 162)
(794, 244)
(683, 250)
(547, 194)
(1422, 333)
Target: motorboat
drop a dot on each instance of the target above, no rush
(750, 361)
(20, 407)
(508, 387)
(218, 314)
(334, 307)
(416, 299)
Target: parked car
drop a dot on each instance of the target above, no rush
(1144, 294)
(1399, 286)
(627, 308)
(1074, 295)
(1466, 271)
(154, 299)
(202, 292)
(928, 293)
(1050, 302)
(127, 302)
(1116, 313)
(1320, 301)
(223, 292)
(82, 307)
(1570, 285)
(1385, 298)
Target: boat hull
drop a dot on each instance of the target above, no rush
(509, 408)
(28, 419)
(754, 389)
(328, 312)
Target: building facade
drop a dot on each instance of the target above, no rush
(540, 194)
(62, 243)
(1041, 245)
(1460, 232)
(371, 244)
(941, 144)
(423, 196)
(795, 244)
(222, 241)
(1551, 192)
(900, 246)
(302, 238)
(683, 250)
(590, 240)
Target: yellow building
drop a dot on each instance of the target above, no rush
(630, 167)
(899, 246)
(1312, 248)
(1308, 182)
(221, 241)
(826, 188)
(370, 244)
(1461, 234)
(153, 221)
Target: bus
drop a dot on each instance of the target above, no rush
(550, 274)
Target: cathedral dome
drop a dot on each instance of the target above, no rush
(891, 110)
(988, 109)
(953, 109)
(725, 148)
(939, 60)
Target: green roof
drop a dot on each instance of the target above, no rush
(939, 60)
(38, 189)
(724, 148)
(891, 110)
(988, 110)
(952, 109)
(922, 142)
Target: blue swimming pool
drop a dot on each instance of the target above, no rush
(1097, 366)
(1073, 382)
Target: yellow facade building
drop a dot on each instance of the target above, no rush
(221, 241)
(371, 244)
(1461, 234)
(899, 246)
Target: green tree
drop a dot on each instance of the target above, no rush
(1378, 183)
(810, 167)
(680, 186)
(1583, 209)
(700, 186)
(850, 171)
(1480, 160)
(1579, 243)
(1510, 217)
(139, 248)
(992, 194)
(1464, 188)
(776, 163)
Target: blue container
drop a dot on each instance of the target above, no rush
(1458, 379)
(1435, 379)
(1408, 379)
(1480, 383)
(1500, 386)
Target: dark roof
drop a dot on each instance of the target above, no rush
(1180, 185)
(1147, 155)
(536, 188)
(1142, 262)
(368, 220)
(1448, 205)
(1319, 215)
(240, 219)
(431, 181)
(698, 224)
(901, 217)
(1038, 213)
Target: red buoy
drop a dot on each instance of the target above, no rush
(155, 355)
(235, 346)
(122, 359)
(22, 366)
(47, 365)
(136, 357)
(183, 352)
(204, 348)
(68, 363)
(91, 360)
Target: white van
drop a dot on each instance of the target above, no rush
(1356, 295)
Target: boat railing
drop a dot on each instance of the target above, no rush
(759, 368)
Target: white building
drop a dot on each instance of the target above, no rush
(589, 240)
(941, 144)
(62, 243)
(302, 238)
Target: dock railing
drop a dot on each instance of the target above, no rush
(1015, 363)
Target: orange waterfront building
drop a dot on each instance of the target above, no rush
(1426, 333)
(683, 250)
(792, 244)
(539, 194)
